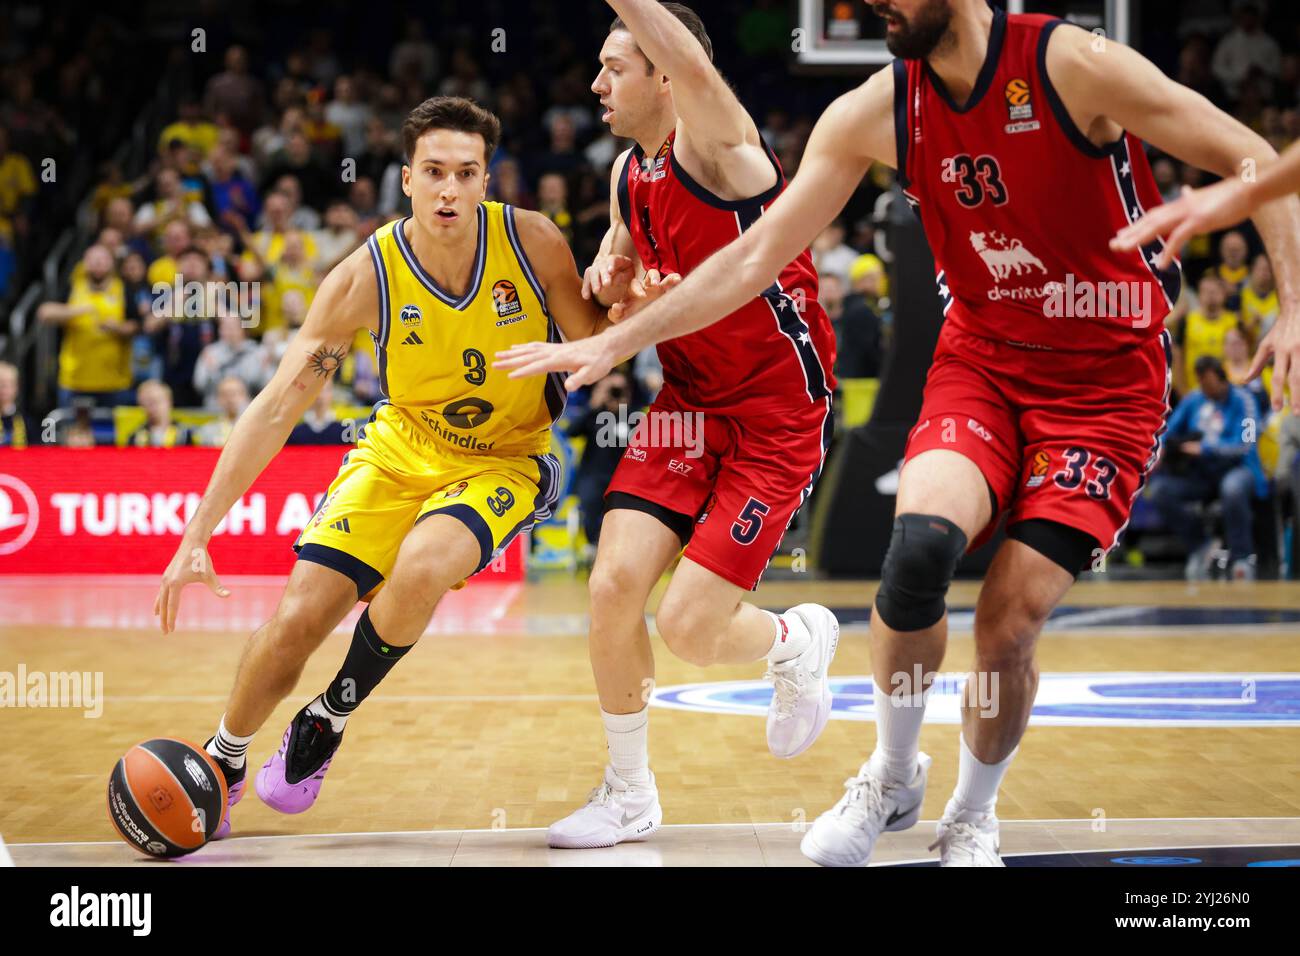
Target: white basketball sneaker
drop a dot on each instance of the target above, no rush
(846, 834)
(801, 691)
(967, 842)
(615, 812)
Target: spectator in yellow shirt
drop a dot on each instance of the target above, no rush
(190, 128)
(95, 357)
(1259, 305)
(176, 238)
(1203, 330)
(17, 187)
(1233, 267)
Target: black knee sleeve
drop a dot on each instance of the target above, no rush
(922, 558)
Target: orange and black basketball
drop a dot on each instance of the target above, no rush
(166, 797)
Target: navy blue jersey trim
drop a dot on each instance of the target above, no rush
(1171, 278)
(790, 323)
(426, 280)
(517, 244)
(472, 520)
(362, 575)
(985, 79)
(1072, 132)
(729, 205)
(902, 128)
(385, 314)
(624, 193)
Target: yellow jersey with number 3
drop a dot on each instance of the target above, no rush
(434, 349)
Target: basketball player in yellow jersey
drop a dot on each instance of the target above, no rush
(453, 463)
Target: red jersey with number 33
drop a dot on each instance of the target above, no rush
(1019, 206)
(776, 351)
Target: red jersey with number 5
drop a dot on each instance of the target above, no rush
(1019, 206)
(776, 351)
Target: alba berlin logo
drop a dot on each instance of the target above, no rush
(467, 413)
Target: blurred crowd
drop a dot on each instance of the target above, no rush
(274, 165)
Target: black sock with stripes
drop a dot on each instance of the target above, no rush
(368, 662)
(229, 749)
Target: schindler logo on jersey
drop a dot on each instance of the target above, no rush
(134, 910)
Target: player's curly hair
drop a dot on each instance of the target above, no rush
(689, 17)
(454, 113)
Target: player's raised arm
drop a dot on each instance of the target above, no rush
(854, 130)
(346, 301)
(1103, 83)
(713, 125)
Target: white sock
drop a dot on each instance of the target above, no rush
(977, 785)
(228, 748)
(318, 708)
(898, 734)
(790, 637)
(629, 753)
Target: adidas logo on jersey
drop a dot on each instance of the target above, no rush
(413, 339)
(342, 525)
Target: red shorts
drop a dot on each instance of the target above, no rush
(1062, 436)
(741, 480)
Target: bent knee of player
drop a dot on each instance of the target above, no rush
(1007, 626)
(692, 630)
(618, 587)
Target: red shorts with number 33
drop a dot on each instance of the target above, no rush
(1063, 436)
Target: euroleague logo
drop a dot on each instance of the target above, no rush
(1020, 107)
(506, 298)
(1038, 471)
(19, 514)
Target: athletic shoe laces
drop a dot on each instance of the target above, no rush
(962, 838)
(864, 799)
(787, 683)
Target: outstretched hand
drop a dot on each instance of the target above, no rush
(1194, 213)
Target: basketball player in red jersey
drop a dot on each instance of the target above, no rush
(733, 443)
(1017, 138)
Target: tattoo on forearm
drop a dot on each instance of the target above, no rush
(327, 359)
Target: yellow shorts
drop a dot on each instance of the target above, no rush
(378, 498)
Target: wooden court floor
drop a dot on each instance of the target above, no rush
(490, 730)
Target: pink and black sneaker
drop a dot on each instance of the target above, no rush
(291, 780)
(234, 793)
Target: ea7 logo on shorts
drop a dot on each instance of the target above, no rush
(506, 298)
(636, 454)
(681, 467)
(411, 316)
(978, 429)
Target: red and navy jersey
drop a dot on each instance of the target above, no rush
(1019, 206)
(776, 351)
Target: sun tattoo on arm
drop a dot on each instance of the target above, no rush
(327, 359)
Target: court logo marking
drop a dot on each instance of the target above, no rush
(1118, 699)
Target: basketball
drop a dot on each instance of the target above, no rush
(166, 797)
